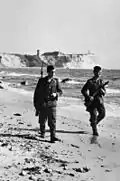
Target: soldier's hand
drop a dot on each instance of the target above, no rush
(54, 94)
(91, 98)
(102, 91)
(36, 112)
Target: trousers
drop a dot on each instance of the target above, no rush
(48, 113)
(97, 113)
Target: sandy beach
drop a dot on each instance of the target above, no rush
(74, 37)
(79, 155)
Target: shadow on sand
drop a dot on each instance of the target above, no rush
(36, 136)
(58, 131)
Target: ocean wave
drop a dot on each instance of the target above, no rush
(112, 91)
(73, 82)
(14, 74)
(70, 81)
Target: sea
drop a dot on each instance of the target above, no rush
(74, 80)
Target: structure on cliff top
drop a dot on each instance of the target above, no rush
(80, 60)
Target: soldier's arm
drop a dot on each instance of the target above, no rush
(59, 90)
(35, 96)
(85, 89)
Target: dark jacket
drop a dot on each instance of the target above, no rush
(43, 93)
(90, 87)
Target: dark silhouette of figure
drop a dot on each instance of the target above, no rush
(45, 101)
(93, 92)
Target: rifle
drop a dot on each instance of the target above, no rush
(41, 72)
(89, 102)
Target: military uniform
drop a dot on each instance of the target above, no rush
(45, 103)
(96, 109)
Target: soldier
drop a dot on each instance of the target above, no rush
(93, 91)
(45, 102)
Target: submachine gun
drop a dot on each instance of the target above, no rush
(89, 102)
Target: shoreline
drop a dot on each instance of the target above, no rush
(28, 92)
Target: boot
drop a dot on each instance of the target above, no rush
(53, 138)
(95, 132)
(42, 135)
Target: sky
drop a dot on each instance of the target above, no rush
(70, 26)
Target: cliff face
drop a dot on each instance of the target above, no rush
(19, 60)
(76, 61)
(80, 61)
(9, 60)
